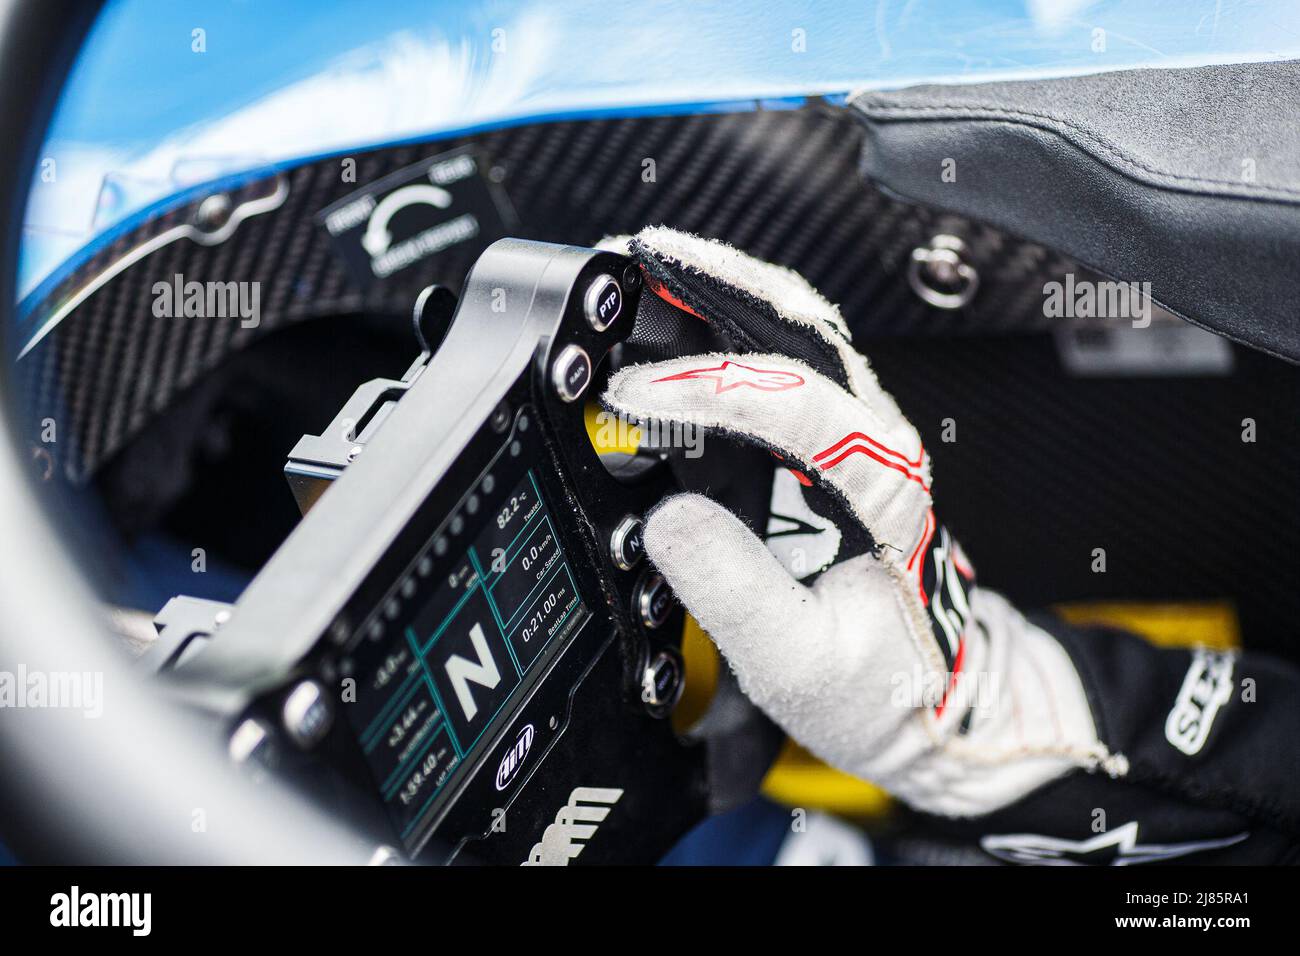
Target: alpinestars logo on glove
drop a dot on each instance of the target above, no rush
(1118, 847)
(730, 375)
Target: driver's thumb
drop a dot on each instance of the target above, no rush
(767, 624)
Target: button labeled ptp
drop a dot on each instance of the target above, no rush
(603, 302)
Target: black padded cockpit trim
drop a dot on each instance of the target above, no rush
(1188, 179)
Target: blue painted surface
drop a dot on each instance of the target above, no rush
(750, 835)
(146, 115)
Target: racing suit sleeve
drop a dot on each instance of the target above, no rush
(1213, 766)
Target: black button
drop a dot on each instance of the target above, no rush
(626, 546)
(654, 600)
(661, 683)
(571, 373)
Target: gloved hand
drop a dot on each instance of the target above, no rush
(893, 666)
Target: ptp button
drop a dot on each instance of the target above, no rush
(603, 302)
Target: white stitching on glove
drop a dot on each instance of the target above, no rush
(893, 666)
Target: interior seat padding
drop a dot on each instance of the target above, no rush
(1185, 178)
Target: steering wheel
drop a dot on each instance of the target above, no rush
(143, 781)
(133, 756)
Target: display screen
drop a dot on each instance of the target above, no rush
(460, 634)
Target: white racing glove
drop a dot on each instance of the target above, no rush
(893, 665)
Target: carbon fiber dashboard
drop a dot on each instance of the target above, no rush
(784, 185)
(1046, 466)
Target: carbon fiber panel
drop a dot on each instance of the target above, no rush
(1045, 468)
(783, 185)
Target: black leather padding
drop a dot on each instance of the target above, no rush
(1185, 178)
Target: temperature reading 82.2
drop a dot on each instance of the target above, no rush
(517, 502)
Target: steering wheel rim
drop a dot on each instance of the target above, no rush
(144, 782)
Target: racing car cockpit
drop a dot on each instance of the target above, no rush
(330, 469)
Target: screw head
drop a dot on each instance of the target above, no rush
(214, 212)
(500, 420)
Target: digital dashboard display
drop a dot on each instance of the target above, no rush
(460, 634)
